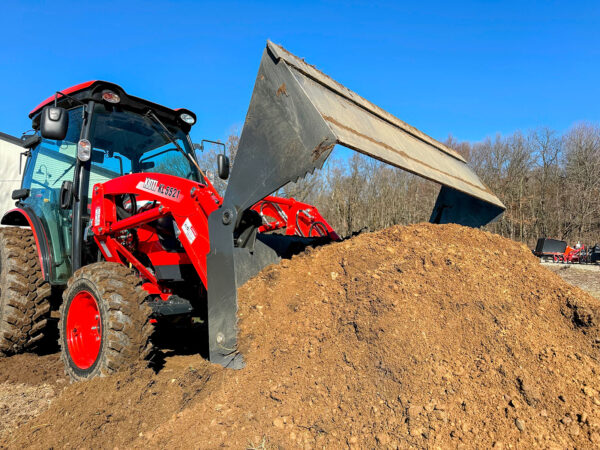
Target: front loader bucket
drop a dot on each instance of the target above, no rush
(296, 116)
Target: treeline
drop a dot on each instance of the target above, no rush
(550, 184)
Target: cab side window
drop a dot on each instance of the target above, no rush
(51, 163)
(54, 161)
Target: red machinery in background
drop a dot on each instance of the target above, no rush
(573, 255)
(559, 252)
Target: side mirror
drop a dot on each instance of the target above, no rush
(98, 156)
(54, 123)
(20, 194)
(223, 166)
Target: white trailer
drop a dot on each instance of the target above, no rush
(10, 179)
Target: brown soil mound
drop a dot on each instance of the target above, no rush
(426, 336)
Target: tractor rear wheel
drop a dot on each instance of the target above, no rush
(104, 321)
(24, 295)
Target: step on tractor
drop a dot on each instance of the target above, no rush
(117, 231)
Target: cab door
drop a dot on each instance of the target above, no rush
(51, 163)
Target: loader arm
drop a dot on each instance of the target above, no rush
(297, 218)
(296, 116)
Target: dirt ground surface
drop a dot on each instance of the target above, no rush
(424, 336)
(28, 384)
(585, 276)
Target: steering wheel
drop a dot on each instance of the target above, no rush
(126, 206)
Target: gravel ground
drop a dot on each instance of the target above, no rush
(584, 276)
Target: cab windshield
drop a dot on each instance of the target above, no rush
(124, 142)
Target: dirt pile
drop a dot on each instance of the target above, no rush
(430, 336)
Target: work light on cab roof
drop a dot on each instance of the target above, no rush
(110, 97)
(187, 118)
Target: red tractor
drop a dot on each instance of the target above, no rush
(116, 215)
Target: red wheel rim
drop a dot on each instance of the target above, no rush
(84, 330)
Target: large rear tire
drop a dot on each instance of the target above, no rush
(104, 321)
(24, 295)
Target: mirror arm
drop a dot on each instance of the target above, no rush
(31, 141)
(211, 142)
(68, 96)
(26, 154)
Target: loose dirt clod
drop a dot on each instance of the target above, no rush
(427, 336)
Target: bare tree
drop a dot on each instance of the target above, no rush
(582, 166)
(549, 184)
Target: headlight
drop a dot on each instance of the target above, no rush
(84, 150)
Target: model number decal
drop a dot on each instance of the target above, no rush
(152, 185)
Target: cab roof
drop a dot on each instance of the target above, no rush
(93, 90)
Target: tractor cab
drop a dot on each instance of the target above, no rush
(92, 133)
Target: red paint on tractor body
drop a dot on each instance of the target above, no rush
(71, 90)
(300, 219)
(188, 203)
(173, 198)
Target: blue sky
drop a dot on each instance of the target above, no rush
(471, 69)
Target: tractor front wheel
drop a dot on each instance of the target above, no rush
(104, 321)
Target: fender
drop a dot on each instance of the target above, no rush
(26, 217)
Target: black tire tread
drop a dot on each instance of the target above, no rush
(24, 295)
(127, 332)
